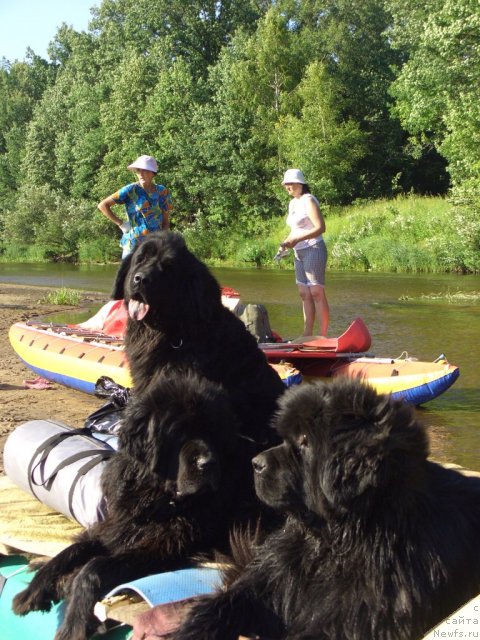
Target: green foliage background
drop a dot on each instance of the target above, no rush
(373, 99)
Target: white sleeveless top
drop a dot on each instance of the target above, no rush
(298, 219)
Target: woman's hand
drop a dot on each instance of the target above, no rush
(289, 242)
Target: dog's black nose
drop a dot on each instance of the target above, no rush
(139, 278)
(258, 464)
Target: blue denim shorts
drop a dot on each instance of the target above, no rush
(310, 264)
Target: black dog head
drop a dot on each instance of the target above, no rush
(176, 432)
(162, 279)
(345, 448)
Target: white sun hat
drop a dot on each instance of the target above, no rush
(144, 162)
(293, 176)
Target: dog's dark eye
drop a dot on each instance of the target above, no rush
(202, 463)
(303, 441)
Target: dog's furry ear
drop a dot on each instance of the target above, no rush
(375, 457)
(139, 432)
(118, 292)
(140, 440)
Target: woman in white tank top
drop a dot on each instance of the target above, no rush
(306, 239)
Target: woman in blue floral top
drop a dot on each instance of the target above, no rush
(147, 205)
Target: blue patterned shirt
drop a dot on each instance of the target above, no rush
(145, 211)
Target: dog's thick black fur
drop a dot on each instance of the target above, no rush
(380, 543)
(176, 318)
(180, 480)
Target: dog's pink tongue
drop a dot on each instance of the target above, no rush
(137, 310)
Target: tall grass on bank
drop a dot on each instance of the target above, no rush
(99, 251)
(13, 252)
(408, 233)
(405, 234)
(63, 296)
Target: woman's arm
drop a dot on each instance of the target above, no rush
(166, 221)
(167, 207)
(105, 206)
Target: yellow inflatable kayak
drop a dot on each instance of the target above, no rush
(77, 357)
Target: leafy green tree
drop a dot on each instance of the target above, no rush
(80, 148)
(326, 147)
(195, 31)
(65, 117)
(437, 89)
(42, 217)
(21, 86)
(351, 39)
(437, 99)
(167, 127)
(234, 158)
(121, 119)
(47, 123)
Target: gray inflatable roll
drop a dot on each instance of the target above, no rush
(59, 466)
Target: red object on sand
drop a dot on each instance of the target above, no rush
(37, 383)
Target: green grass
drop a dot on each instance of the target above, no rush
(63, 296)
(457, 296)
(14, 252)
(446, 296)
(404, 234)
(407, 234)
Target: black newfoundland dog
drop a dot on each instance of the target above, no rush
(176, 318)
(180, 480)
(379, 544)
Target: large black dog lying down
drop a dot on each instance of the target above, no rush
(176, 317)
(180, 480)
(379, 544)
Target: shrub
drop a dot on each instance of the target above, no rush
(63, 296)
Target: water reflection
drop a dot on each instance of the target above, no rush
(393, 306)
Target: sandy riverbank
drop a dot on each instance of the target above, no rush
(17, 403)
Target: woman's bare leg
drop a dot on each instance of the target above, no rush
(308, 309)
(322, 309)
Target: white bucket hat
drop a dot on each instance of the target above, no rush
(293, 176)
(144, 162)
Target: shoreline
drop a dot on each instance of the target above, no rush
(19, 404)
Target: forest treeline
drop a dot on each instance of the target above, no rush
(372, 99)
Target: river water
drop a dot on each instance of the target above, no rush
(424, 315)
